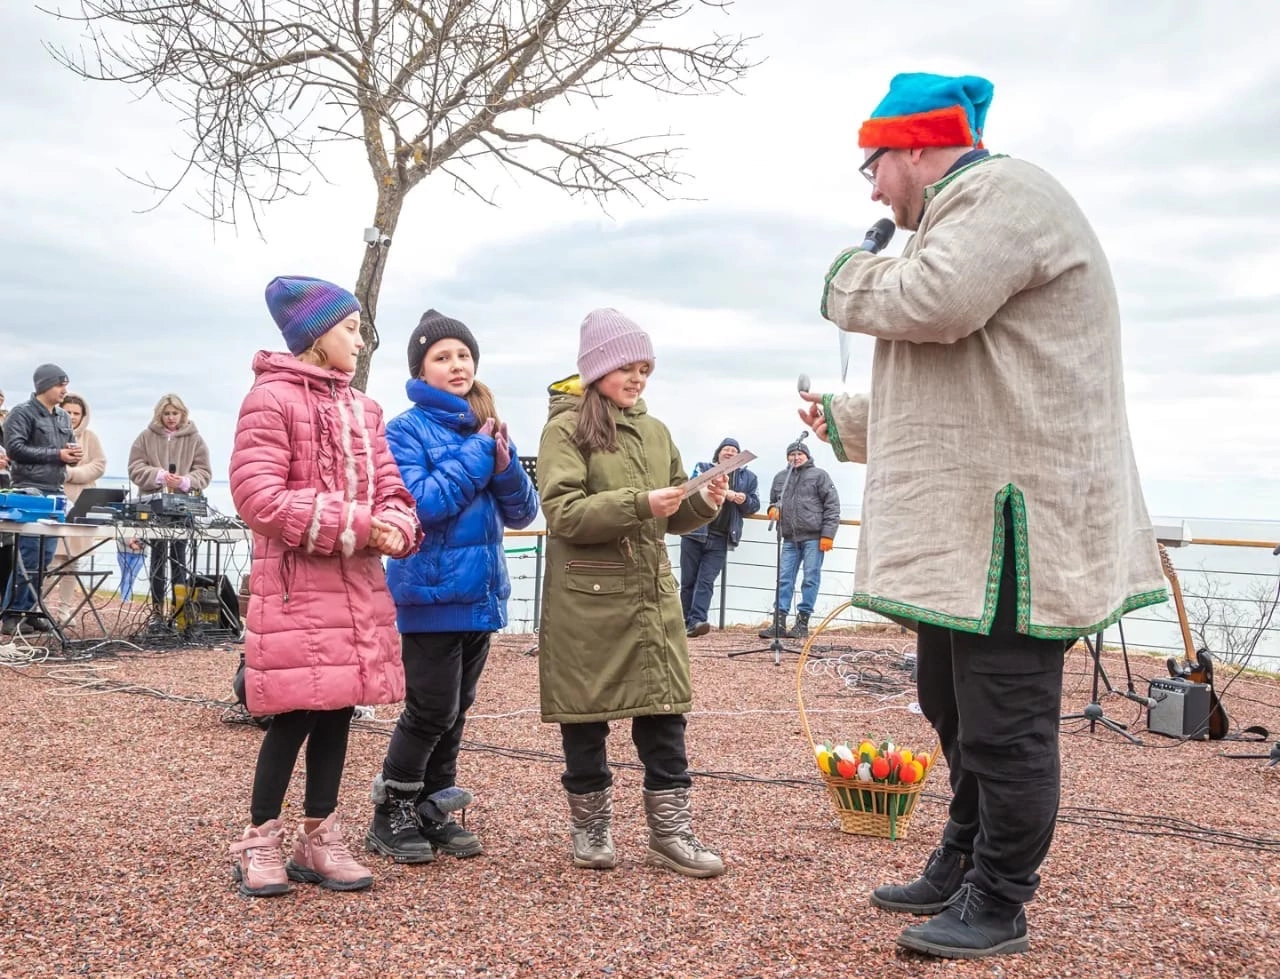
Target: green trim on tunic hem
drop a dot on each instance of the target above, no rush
(901, 610)
(995, 568)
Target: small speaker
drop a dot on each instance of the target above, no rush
(1181, 710)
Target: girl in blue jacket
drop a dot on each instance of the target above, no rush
(451, 595)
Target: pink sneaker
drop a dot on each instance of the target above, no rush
(259, 862)
(320, 856)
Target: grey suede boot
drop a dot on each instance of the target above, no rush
(592, 814)
(672, 844)
(396, 829)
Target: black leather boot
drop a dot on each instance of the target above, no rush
(801, 629)
(974, 925)
(929, 893)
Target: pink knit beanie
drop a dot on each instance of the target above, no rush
(609, 340)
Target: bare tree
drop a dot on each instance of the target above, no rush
(426, 85)
(1228, 624)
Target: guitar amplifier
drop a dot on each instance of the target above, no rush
(1181, 710)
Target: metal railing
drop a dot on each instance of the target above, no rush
(1226, 598)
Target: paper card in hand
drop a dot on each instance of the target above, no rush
(719, 469)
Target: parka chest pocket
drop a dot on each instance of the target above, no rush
(595, 577)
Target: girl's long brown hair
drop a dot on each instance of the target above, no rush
(597, 431)
(480, 401)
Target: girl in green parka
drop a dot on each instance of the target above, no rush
(612, 637)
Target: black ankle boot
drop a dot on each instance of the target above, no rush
(974, 925)
(929, 893)
(777, 629)
(801, 629)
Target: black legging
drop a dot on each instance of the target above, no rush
(325, 732)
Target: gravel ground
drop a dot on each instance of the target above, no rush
(116, 810)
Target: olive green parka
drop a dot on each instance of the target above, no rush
(611, 642)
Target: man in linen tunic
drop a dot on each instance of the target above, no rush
(1002, 514)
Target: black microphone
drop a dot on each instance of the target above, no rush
(1137, 698)
(1276, 552)
(878, 235)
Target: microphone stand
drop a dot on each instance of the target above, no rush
(1093, 712)
(776, 646)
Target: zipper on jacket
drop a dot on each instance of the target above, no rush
(601, 566)
(286, 575)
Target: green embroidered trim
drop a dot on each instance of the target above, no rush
(933, 189)
(891, 609)
(833, 433)
(1021, 554)
(1022, 562)
(836, 266)
(1130, 604)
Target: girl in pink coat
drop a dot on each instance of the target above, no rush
(313, 478)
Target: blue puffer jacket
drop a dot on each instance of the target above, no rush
(457, 580)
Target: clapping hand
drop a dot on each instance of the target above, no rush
(813, 415)
(502, 449)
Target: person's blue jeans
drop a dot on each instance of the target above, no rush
(35, 553)
(701, 561)
(795, 554)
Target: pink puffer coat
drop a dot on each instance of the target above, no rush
(309, 470)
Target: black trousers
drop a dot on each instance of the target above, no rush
(659, 741)
(170, 556)
(995, 702)
(325, 732)
(441, 673)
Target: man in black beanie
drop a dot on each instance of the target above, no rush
(808, 515)
(40, 444)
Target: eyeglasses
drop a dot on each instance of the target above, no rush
(870, 161)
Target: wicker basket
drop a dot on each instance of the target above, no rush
(864, 808)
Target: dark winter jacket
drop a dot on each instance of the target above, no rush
(740, 481)
(457, 580)
(34, 437)
(811, 508)
(612, 639)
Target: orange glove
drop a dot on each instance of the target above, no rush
(826, 543)
(773, 513)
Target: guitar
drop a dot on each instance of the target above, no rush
(1198, 665)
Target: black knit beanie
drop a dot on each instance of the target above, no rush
(433, 327)
(799, 446)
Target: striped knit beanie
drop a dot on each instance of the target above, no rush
(608, 340)
(306, 309)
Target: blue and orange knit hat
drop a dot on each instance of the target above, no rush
(306, 309)
(929, 110)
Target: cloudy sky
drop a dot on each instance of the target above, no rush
(1164, 129)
